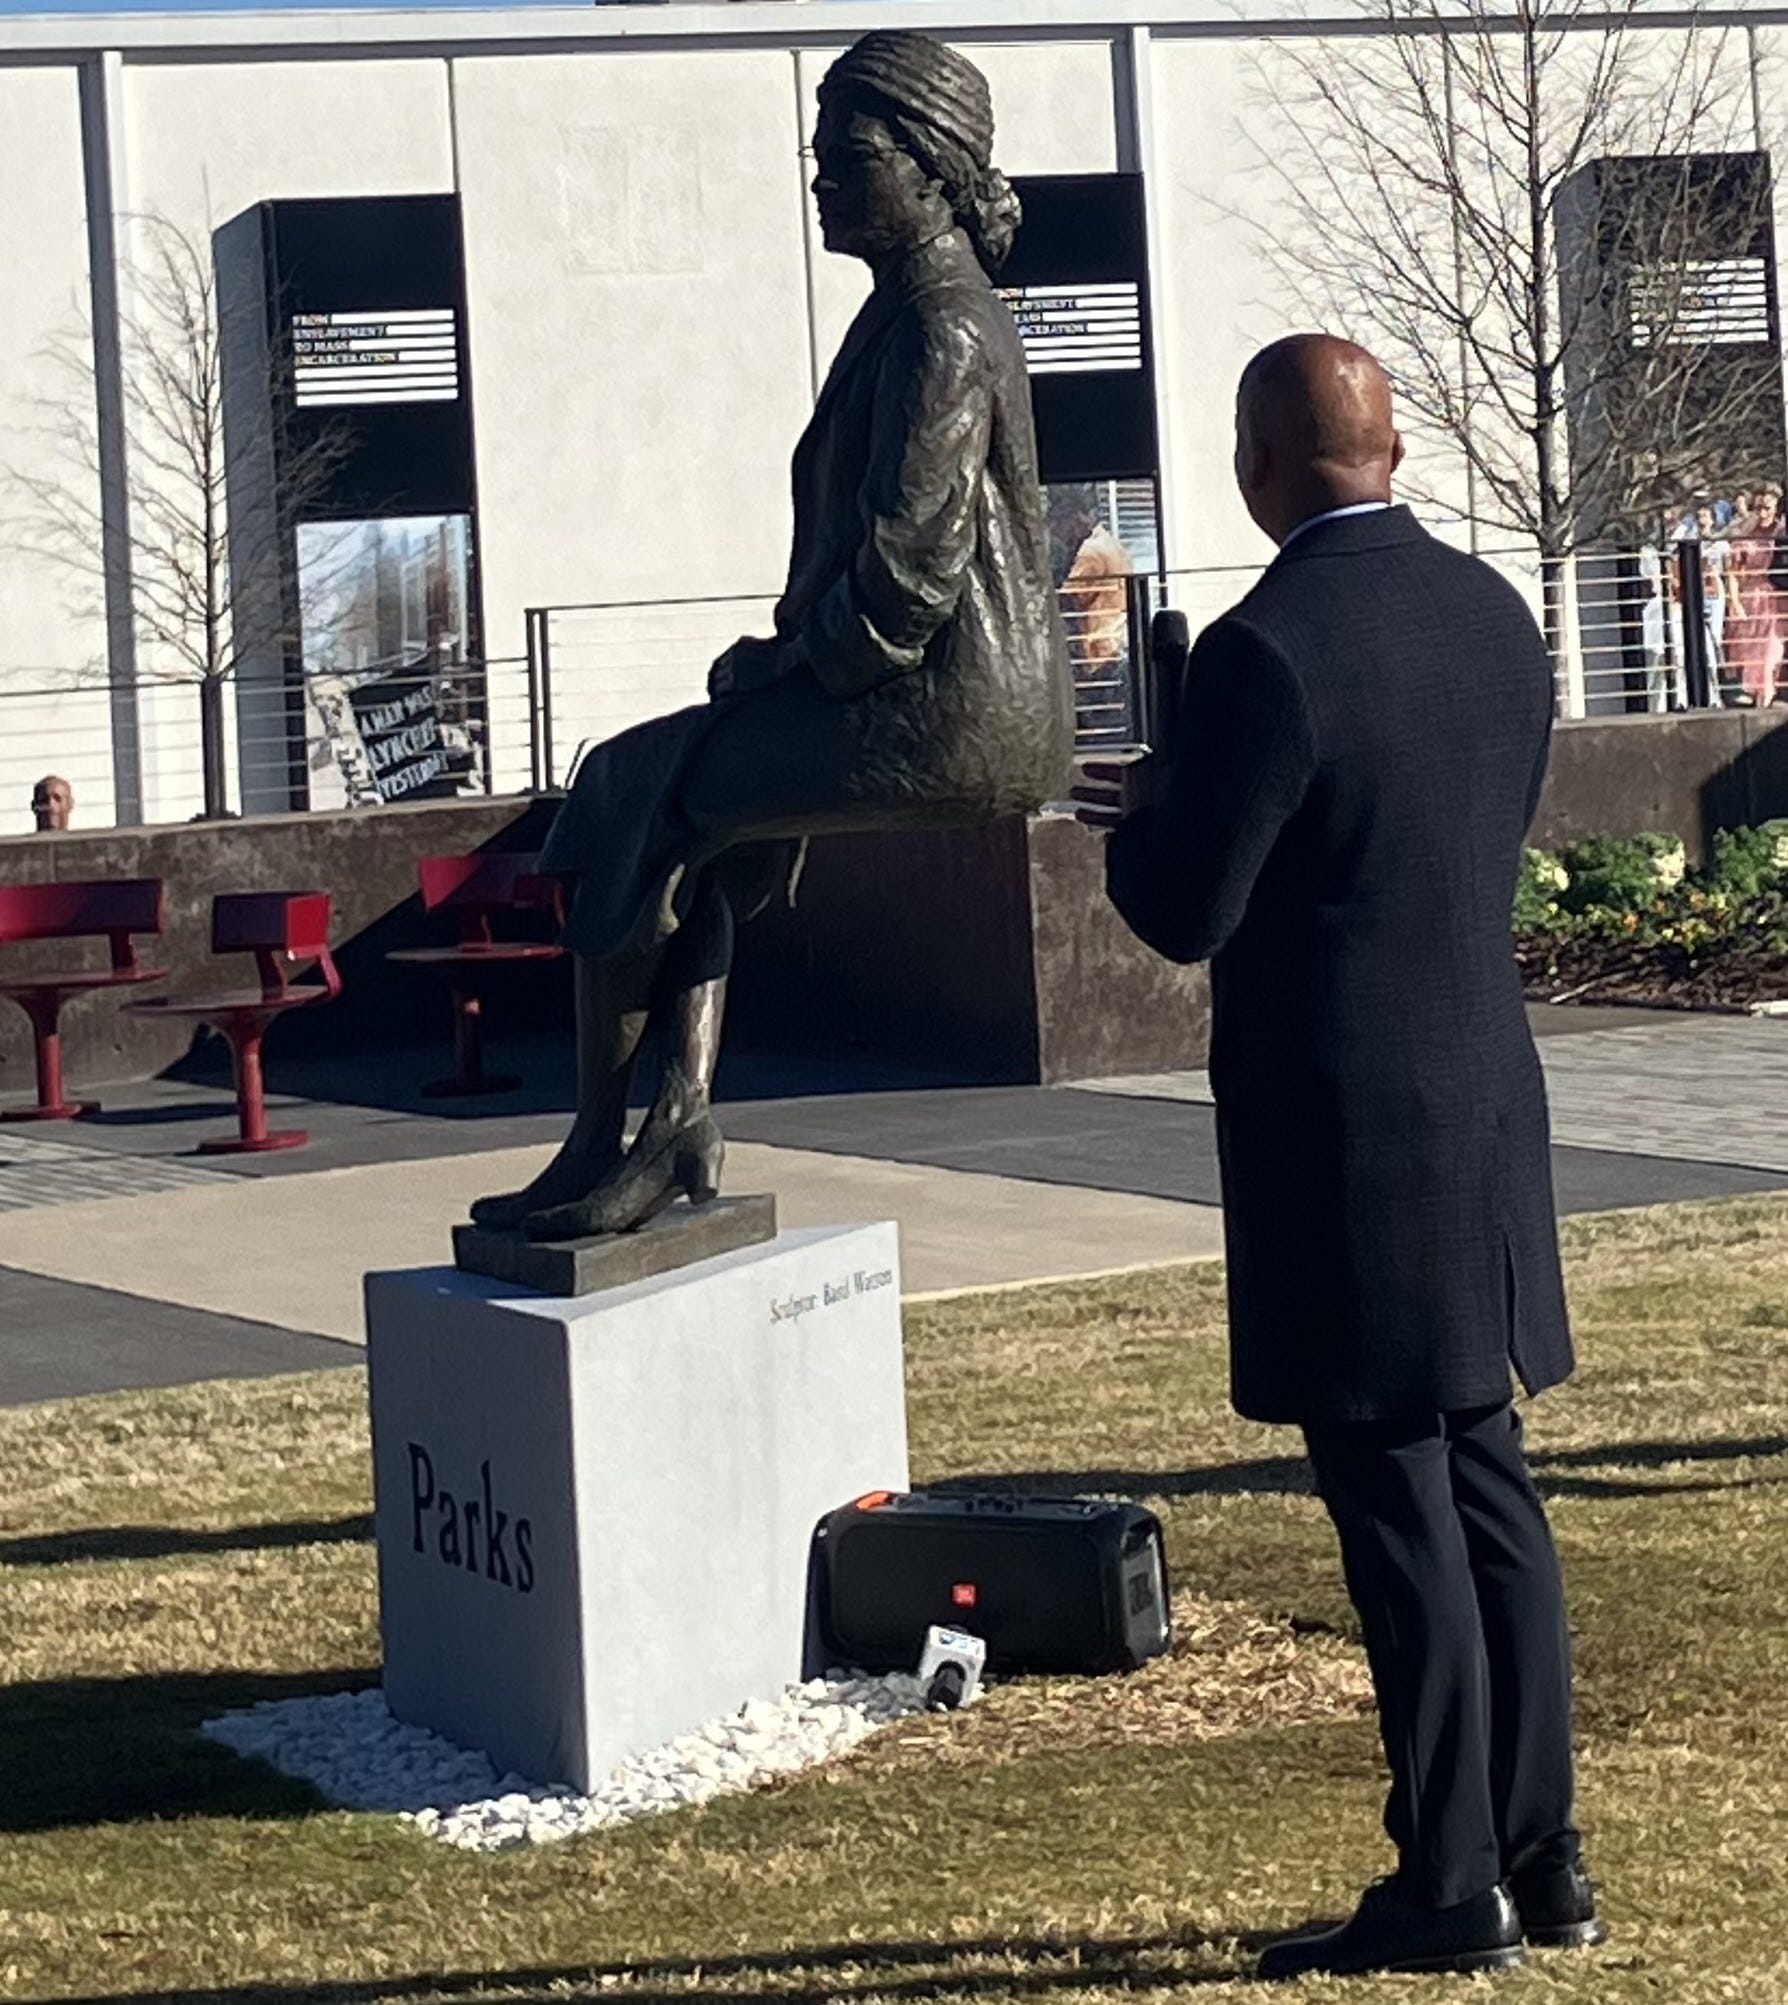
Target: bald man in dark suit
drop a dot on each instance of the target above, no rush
(1336, 828)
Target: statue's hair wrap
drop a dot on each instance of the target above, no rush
(941, 110)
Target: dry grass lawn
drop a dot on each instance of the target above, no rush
(166, 1556)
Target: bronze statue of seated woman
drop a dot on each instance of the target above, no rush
(917, 675)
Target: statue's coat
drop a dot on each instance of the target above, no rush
(933, 687)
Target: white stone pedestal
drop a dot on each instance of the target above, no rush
(594, 1513)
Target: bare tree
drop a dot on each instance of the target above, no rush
(1526, 207)
(182, 554)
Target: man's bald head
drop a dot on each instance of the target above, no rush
(1314, 431)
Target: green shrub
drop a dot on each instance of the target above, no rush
(1617, 875)
(1750, 861)
(1537, 886)
(1636, 891)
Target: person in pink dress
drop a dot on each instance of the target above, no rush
(1754, 622)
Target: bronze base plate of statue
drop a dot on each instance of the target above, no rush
(677, 1237)
(917, 675)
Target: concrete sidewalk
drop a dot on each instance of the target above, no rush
(291, 1250)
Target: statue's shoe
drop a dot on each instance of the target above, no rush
(503, 1212)
(560, 1181)
(686, 1164)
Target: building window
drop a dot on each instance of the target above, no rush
(1701, 302)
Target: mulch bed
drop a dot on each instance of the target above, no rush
(1661, 977)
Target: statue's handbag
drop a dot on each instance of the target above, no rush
(1050, 1584)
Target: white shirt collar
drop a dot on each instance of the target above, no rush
(1333, 515)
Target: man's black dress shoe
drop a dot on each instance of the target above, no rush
(1390, 1931)
(1557, 1906)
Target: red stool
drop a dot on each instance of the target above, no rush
(476, 888)
(286, 931)
(73, 911)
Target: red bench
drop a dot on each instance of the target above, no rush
(73, 911)
(287, 932)
(476, 889)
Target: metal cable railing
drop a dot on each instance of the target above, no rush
(596, 669)
(254, 744)
(1683, 627)
(1665, 629)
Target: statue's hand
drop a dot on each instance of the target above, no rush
(750, 663)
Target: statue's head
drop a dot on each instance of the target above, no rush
(904, 151)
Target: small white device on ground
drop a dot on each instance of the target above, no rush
(950, 1668)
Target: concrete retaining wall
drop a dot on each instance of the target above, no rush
(1693, 774)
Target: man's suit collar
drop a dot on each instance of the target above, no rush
(1344, 535)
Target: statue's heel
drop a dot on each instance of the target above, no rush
(701, 1152)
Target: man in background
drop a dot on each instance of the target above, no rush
(52, 804)
(1337, 827)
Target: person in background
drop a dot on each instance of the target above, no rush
(1093, 571)
(1754, 623)
(1336, 825)
(52, 804)
(1778, 578)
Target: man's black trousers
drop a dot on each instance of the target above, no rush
(1451, 1566)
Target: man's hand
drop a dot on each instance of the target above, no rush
(750, 663)
(1106, 793)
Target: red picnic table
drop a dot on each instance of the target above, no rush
(79, 909)
(477, 888)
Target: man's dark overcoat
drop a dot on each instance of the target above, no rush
(934, 687)
(1360, 754)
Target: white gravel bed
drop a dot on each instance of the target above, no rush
(358, 1756)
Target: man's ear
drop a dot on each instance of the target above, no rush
(1250, 464)
(1396, 451)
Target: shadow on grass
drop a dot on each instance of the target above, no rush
(1064, 1963)
(123, 1750)
(1289, 1475)
(1272, 1475)
(126, 1542)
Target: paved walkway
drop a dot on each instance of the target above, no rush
(292, 1249)
(1708, 1089)
(126, 1261)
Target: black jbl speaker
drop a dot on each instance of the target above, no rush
(1048, 1583)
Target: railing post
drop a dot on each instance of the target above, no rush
(546, 699)
(1574, 702)
(530, 619)
(540, 699)
(1692, 596)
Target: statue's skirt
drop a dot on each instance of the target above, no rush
(745, 781)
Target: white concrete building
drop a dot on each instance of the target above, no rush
(648, 310)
